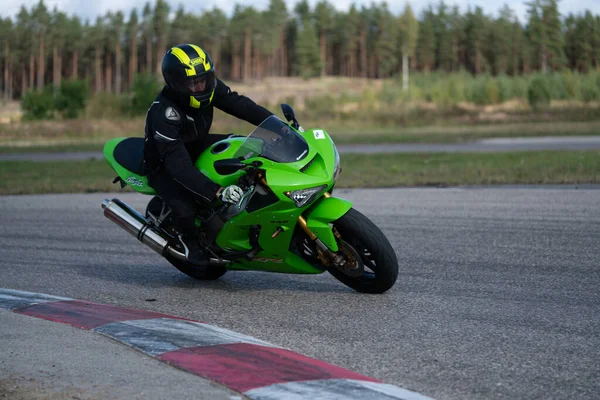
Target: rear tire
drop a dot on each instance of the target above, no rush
(204, 274)
(375, 251)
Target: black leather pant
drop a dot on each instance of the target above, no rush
(182, 202)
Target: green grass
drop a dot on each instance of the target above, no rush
(456, 134)
(26, 177)
(65, 148)
(450, 169)
(352, 134)
(383, 170)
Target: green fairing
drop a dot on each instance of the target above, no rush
(280, 216)
(325, 211)
(137, 182)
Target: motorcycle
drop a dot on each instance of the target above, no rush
(287, 221)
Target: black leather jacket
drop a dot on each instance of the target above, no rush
(176, 133)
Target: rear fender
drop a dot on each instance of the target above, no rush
(137, 182)
(322, 213)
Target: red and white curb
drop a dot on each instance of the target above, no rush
(257, 369)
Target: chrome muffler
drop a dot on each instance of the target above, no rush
(135, 223)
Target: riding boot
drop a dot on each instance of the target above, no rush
(195, 253)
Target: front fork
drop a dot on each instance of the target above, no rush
(317, 227)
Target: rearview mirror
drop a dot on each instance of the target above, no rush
(288, 113)
(228, 166)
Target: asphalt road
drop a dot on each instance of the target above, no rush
(497, 298)
(485, 145)
(48, 361)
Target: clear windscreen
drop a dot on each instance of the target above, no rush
(273, 139)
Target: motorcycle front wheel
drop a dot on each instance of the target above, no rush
(375, 252)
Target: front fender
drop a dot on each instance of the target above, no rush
(322, 213)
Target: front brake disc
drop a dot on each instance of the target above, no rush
(353, 266)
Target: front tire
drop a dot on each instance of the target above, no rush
(375, 251)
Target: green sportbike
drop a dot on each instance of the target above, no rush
(287, 221)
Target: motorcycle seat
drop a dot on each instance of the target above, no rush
(129, 153)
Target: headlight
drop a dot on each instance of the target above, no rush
(337, 170)
(304, 196)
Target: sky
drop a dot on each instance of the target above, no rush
(89, 9)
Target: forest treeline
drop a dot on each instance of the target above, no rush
(41, 46)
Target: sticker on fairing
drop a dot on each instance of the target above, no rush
(266, 260)
(134, 181)
(319, 134)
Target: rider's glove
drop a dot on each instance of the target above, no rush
(232, 194)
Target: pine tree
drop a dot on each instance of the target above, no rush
(182, 28)
(554, 34)
(426, 41)
(277, 17)
(235, 33)
(323, 18)
(308, 61)
(215, 21)
(132, 47)
(58, 32)
(545, 33)
(583, 48)
(518, 49)
(537, 35)
(367, 38)
(570, 41)
(475, 38)
(596, 42)
(118, 31)
(443, 38)
(148, 34)
(250, 26)
(272, 29)
(498, 49)
(6, 33)
(24, 53)
(41, 20)
(338, 43)
(108, 52)
(75, 38)
(97, 37)
(409, 34)
(160, 22)
(261, 44)
(385, 42)
(457, 33)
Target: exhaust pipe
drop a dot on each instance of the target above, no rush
(134, 223)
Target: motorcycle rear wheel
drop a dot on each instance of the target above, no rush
(203, 274)
(376, 253)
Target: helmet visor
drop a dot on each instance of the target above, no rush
(197, 85)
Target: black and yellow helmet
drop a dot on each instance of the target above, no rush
(189, 71)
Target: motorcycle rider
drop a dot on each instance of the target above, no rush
(177, 131)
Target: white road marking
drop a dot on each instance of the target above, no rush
(11, 299)
(161, 335)
(333, 389)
